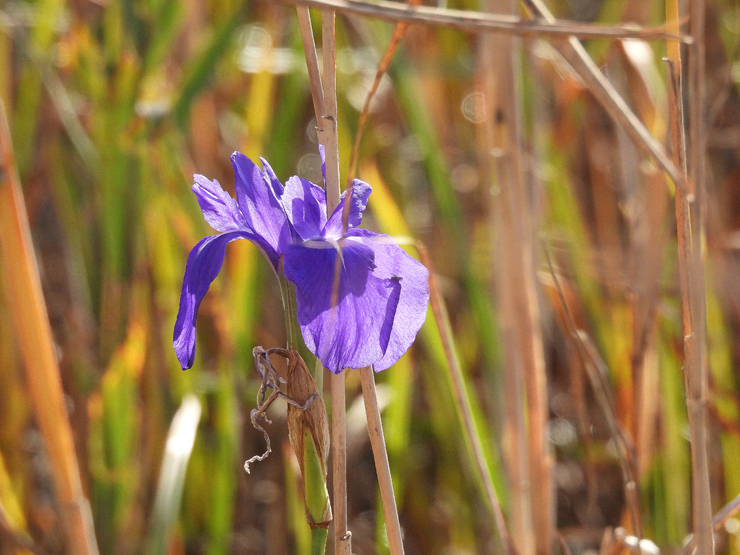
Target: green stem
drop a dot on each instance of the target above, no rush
(318, 540)
(293, 334)
(289, 310)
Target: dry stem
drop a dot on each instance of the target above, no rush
(690, 235)
(377, 440)
(463, 404)
(479, 22)
(329, 138)
(605, 93)
(33, 333)
(515, 250)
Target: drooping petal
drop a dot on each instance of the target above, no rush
(204, 263)
(359, 193)
(305, 206)
(394, 264)
(259, 202)
(349, 326)
(219, 209)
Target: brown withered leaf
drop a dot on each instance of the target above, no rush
(301, 387)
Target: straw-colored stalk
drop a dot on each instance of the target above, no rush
(479, 22)
(324, 93)
(530, 463)
(380, 454)
(690, 236)
(464, 408)
(33, 333)
(604, 92)
(328, 136)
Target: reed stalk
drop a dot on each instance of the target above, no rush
(515, 251)
(575, 54)
(329, 137)
(324, 93)
(33, 333)
(380, 455)
(464, 408)
(480, 22)
(690, 233)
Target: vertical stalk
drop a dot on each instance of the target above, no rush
(380, 454)
(328, 136)
(33, 333)
(690, 238)
(533, 516)
(465, 412)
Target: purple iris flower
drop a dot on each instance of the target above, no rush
(374, 313)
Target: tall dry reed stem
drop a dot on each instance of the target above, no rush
(690, 237)
(325, 107)
(516, 222)
(462, 403)
(330, 139)
(33, 333)
(380, 454)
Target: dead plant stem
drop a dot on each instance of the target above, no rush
(479, 22)
(312, 63)
(33, 333)
(575, 54)
(380, 454)
(328, 136)
(516, 223)
(462, 402)
(597, 373)
(690, 237)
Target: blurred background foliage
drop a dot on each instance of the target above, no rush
(114, 105)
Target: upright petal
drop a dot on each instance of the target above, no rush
(305, 206)
(204, 263)
(259, 203)
(359, 193)
(219, 209)
(393, 263)
(349, 326)
(277, 187)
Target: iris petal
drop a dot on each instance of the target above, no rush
(395, 265)
(259, 202)
(204, 263)
(305, 206)
(349, 327)
(359, 193)
(219, 209)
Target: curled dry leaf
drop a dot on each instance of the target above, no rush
(307, 422)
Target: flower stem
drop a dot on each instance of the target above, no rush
(289, 310)
(318, 540)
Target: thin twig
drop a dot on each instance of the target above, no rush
(718, 522)
(380, 454)
(398, 34)
(312, 63)
(479, 22)
(463, 404)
